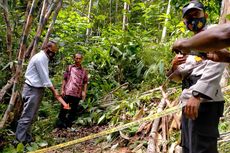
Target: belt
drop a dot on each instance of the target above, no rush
(33, 86)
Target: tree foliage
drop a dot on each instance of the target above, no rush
(112, 56)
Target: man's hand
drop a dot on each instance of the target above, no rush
(178, 60)
(62, 93)
(191, 108)
(66, 106)
(179, 47)
(219, 56)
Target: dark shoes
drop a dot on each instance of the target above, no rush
(63, 125)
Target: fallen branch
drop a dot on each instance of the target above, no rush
(111, 92)
(150, 91)
(152, 143)
(164, 134)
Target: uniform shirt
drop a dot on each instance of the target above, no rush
(37, 73)
(76, 78)
(209, 82)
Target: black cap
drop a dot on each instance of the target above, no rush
(192, 5)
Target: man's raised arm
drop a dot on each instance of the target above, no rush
(212, 39)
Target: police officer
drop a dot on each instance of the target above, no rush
(201, 90)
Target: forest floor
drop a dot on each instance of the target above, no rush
(90, 146)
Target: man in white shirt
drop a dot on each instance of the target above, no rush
(37, 79)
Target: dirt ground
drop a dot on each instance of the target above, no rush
(90, 146)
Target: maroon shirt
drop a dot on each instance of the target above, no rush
(75, 78)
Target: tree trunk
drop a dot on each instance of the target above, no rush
(166, 20)
(21, 53)
(225, 10)
(116, 10)
(89, 16)
(110, 11)
(6, 87)
(42, 23)
(9, 109)
(19, 66)
(56, 11)
(125, 19)
(8, 29)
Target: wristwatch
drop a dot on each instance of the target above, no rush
(195, 94)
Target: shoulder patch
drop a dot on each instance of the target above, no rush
(197, 58)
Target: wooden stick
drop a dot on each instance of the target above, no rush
(164, 133)
(111, 92)
(152, 144)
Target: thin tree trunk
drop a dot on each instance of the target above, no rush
(225, 10)
(110, 11)
(8, 29)
(89, 16)
(56, 11)
(125, 19)
(41, 26)
(9, 109)
(43, 20)
(116, 10)
(19, 64)
(10, 82)
(6, 88)
(166, 20)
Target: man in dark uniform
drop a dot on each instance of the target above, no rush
(201, 90)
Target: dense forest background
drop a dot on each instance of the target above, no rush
(127, 50)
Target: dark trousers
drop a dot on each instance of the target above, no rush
(66, 117)
(200, 135)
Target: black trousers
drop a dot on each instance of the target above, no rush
(66, 117)
(200, 135)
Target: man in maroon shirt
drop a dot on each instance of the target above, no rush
(74, 87)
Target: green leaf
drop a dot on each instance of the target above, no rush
(34, 146)
(20, 148)
(101, 119)
(43, 143)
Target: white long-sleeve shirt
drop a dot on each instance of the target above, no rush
(37, 73)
